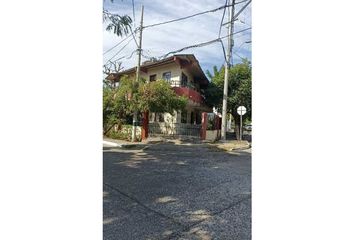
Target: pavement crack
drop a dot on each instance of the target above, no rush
(232, 205)
(143, 205)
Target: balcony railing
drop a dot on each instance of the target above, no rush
(189, 93)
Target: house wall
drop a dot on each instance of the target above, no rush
(176, 73)
(173, 68)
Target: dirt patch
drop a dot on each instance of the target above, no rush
(230, 145)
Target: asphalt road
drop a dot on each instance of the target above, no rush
(170, 191)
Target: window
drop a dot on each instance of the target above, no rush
(184, 80)
(152, 78)
(166, 76)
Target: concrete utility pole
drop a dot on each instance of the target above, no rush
(135, 114)
(227, 67)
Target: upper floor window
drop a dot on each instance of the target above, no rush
(184, 80)
(166, 76)
(152, 78)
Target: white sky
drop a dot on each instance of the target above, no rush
(169, 37)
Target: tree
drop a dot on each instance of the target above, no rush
(239, 90)
(119, 25)
(120, 103)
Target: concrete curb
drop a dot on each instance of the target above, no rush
(112, 144)
(124, 145)
(242, 148)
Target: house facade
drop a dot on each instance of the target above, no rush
(186, 77)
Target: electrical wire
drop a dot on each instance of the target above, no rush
(223, 49)
(222, 19)
(242, 58)
(203, 44)
(118, 44)
(133, 5)
(131, 54)
(219, 39)
(136, 43)
(190, 16)
(119, 50)
(238, 13)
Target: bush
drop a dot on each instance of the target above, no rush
(120, 135)
(124, 133)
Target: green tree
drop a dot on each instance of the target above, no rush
(118, 24)
(239, 89)
(119, 103)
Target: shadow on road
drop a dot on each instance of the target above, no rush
(176, 191)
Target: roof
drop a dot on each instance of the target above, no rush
(187, 61)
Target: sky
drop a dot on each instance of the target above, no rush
(159, 40)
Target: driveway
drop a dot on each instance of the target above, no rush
(176, 191)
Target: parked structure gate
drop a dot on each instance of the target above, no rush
(175, 129)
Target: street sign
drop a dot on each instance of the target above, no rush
(241, 110)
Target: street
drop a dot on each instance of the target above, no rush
(176, 191)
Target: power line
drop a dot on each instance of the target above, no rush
(242, 58)
(223, 49)
(131, 54)
(117, 44)
(133, 11)
(126, 57)
(204, 43)
(190, 16)
(136, 43)
(131, 34)
(144, 55)
(238, 13)
(119, 50)
(222, 19)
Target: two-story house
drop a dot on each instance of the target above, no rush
(185, 76)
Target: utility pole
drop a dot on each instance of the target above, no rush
(227, 67)
(135, 114)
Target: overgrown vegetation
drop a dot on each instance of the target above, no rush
(239, 90)
(120, 103)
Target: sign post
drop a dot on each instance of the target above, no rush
(241, 110)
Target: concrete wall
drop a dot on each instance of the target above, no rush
(211, 135)
(170, 118)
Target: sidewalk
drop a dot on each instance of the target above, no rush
(109, 142)
(227, 145)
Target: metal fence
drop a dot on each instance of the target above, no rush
(174, 129)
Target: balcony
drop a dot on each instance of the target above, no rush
(190, 93)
